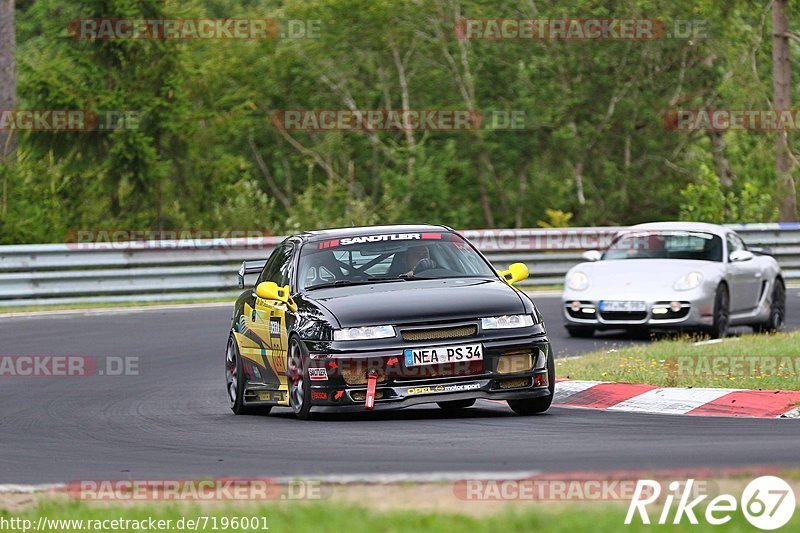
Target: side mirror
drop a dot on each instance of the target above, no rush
(741, 255)
(516, 272)
(760, 250)
(269, 290)
(591, 255)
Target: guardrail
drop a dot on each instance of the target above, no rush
(44, 274)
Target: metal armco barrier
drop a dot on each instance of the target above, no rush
(45, 274)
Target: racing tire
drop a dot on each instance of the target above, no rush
(533, 406)
(722, 313)
(455, 405)
(297, 378)
(234, 380)
(777, 310)
(580, 332)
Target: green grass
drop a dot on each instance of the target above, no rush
(768, 362)
(343, 517)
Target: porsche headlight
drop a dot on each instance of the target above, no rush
(364, 333)
(688, 282)
(578, 281)
(507, 322)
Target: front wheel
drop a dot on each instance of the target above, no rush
(721, 313)
(299, 385)
(234, 381)
(777, 310)
(532, 406)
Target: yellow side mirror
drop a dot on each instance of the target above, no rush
(516, 272)
(269, 290)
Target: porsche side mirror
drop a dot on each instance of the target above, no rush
(516, 272)
(741, 255)
(591, 255)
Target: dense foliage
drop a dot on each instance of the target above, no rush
(206, 155)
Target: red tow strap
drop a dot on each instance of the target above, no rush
(372, 381)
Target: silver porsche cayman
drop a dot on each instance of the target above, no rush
(674, 275)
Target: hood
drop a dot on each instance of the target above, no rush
(642, 276)
(417, 301)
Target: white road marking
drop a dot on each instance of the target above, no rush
(566, 389)
(715, 341)
(113, 310)
(671, 401)
(335, 479)
(794, 413)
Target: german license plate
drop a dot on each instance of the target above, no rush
(621, 305)
(443, 354)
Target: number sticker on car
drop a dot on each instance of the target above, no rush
(443, 354)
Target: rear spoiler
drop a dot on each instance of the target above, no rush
(250, 267)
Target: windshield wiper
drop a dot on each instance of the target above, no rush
(348, 282)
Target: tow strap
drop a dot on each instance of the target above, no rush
(372, 381)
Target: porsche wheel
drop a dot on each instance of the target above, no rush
(777, 310)
(299, 386)
(722, 313)
(455, 405)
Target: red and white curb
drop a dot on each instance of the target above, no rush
(640, 398)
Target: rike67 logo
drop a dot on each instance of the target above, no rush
(767, 502)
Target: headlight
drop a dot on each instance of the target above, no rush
(365, 333)
(688, 282)
(507, 322)
(578, 281)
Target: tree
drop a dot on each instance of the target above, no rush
(8, 89)
(782, 96)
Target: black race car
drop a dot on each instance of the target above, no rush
(385, 317)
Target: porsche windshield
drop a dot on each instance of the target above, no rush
(390, 257)
(666, 245)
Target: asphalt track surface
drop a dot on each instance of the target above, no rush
(171, 421)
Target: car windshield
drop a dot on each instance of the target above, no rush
(389, 257)
(666, 245)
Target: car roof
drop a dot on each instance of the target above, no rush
(355, 231)
(682, 226)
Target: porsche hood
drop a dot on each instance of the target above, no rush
(635, 277)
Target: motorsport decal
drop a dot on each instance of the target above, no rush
(345, 241)
(317, 374)
(438, 389)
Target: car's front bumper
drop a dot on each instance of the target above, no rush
(696, 310)
(503, 374)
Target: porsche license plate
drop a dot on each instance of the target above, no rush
(443, 354)
(624, 306)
